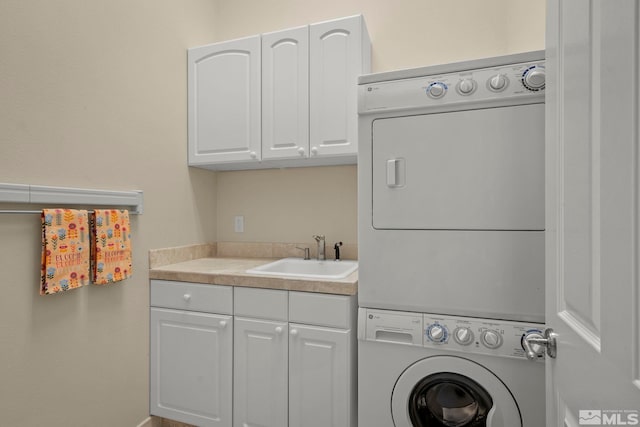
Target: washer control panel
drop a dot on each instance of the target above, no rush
(515, 81)
(447, 333)
(484, 336)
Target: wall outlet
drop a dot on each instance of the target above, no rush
(238, 223)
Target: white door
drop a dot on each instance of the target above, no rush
(320, 377)
(224, 102)
(285, 94)
(593, 292)
(191, 367)
(260, 373)
(338, 54)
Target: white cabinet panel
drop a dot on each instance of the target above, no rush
(320, 377)
(334, 311)
(272, 304)
(285, 94)
(339, 53)
(191, 361)
(192, 296)
(224, 102)
(260, 373)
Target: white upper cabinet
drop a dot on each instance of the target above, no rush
(287, 98)
(285, 94)
(340, 52)
(224, 102)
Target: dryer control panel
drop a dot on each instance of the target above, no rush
(510, 82)
(447, 333)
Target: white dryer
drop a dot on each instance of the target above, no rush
(419, 370)
(451, 189)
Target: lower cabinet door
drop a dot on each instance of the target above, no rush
(320, 377)
(191, 367)
(260, 373)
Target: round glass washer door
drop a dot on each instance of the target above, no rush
(450, 391)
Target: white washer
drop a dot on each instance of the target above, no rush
(451, 189)
(419, 370)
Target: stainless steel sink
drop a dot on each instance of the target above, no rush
(297, 267)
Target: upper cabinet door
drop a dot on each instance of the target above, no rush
(224, 102)
(339, 53)
(285, 94)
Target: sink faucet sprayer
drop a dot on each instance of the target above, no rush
(336, 248)
(320, 241)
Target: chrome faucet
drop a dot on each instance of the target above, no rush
(320, 241)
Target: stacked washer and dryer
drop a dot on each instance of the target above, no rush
(451, 245)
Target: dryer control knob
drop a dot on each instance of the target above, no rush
(466, 86)
(534, 78)
(491, 339)
(436, 90)
(498, 82)
(437, 333)
(463, 336)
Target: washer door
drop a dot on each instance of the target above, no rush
(450, 391)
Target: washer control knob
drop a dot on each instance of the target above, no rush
(534, 78)
(436, 90)
(491, 339)
(498, 82)
(466, 86)
(437, 333)
(535, 349)
(463, 336)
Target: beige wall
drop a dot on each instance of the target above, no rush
(93, 95)
(291, 205)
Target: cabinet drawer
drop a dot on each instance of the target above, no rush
(261, 303)
(321, 309)
(192, 296)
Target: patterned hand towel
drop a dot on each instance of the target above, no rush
(65, 250)
(111, 246)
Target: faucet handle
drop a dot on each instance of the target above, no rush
(306, 252)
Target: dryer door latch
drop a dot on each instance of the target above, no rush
(536, 344)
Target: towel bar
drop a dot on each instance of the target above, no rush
(18, 211)
(63, 196)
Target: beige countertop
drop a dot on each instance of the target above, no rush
(232, 271)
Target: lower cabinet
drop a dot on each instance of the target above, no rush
(266, 358)
(260, 391)
(191, 361)
(320, 377)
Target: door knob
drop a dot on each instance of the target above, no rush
(536, 344)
